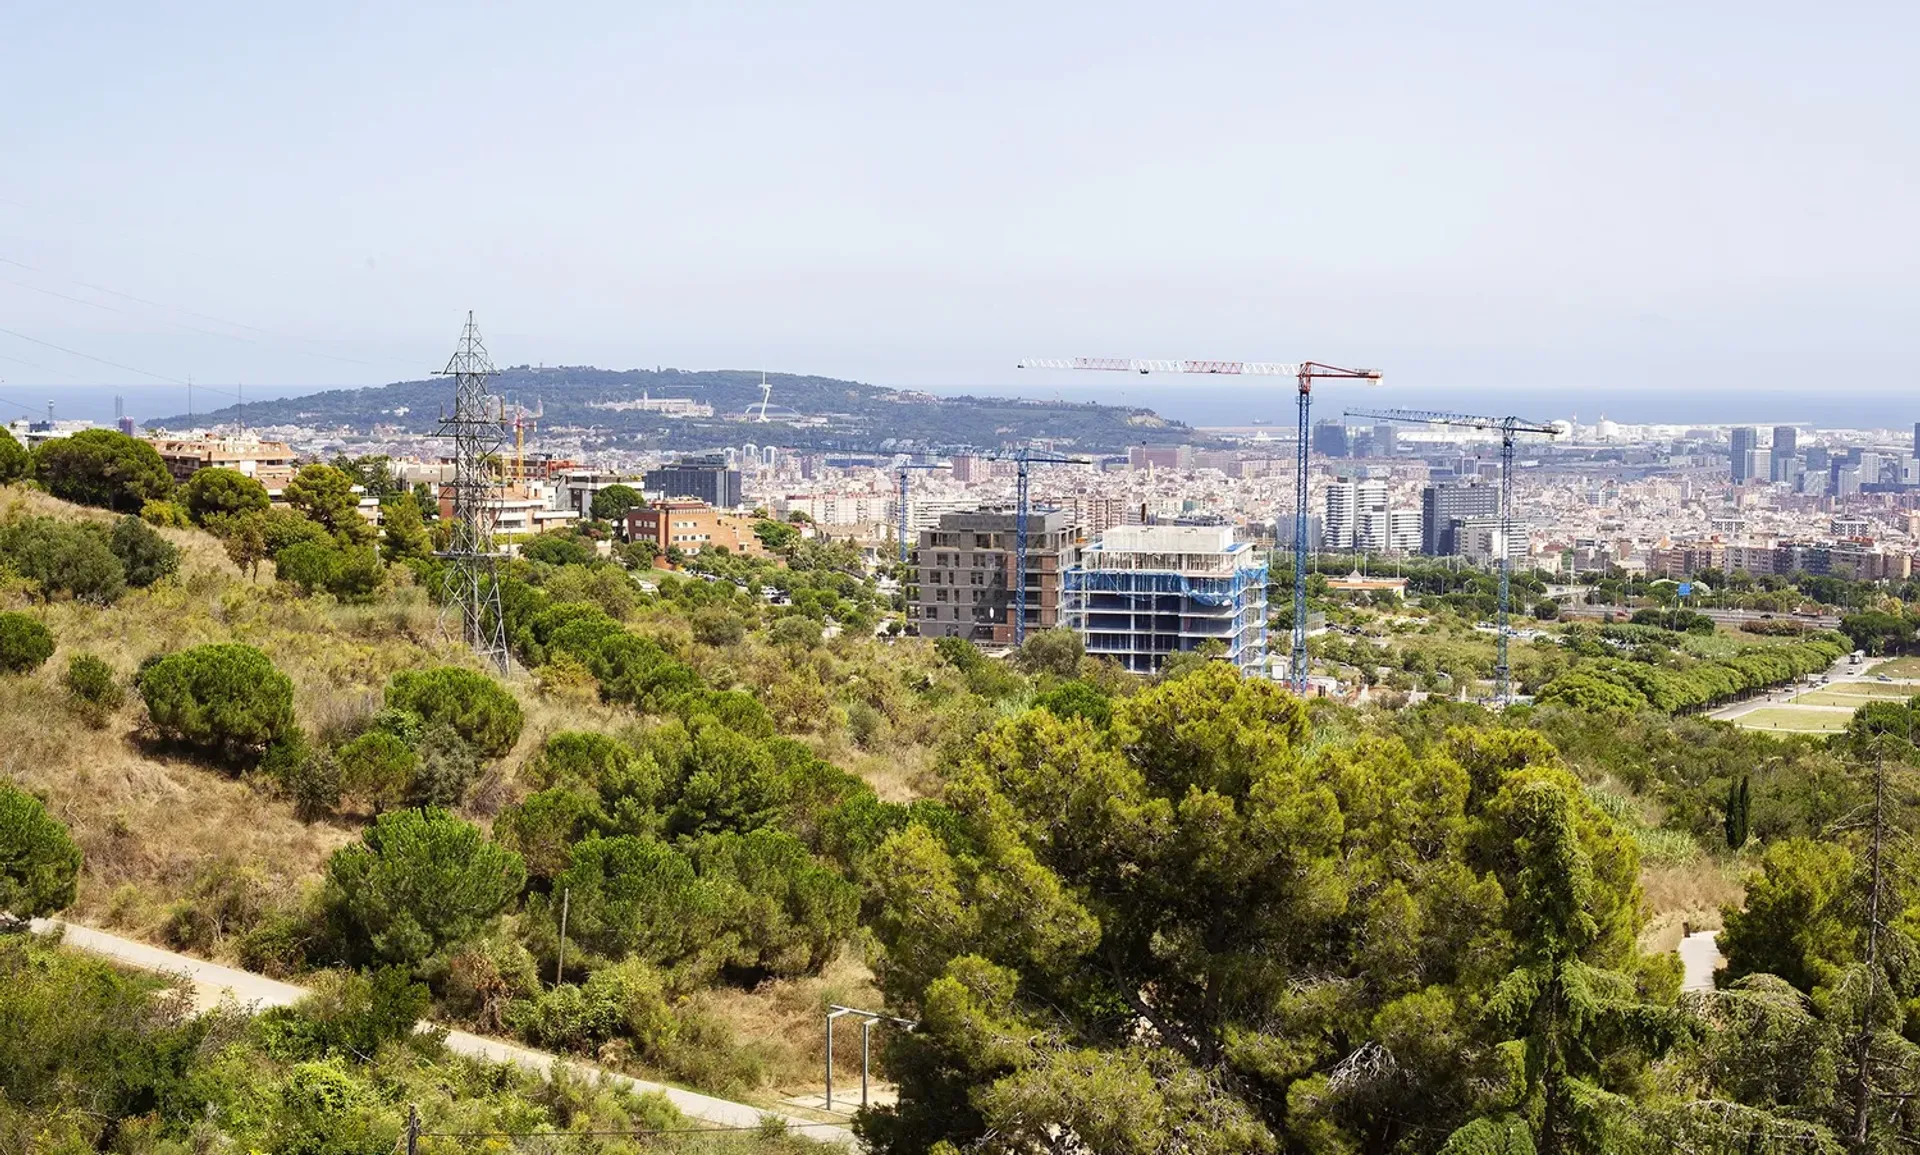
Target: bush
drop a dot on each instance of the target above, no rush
(557, 548)
(213, 492)
(350, 573)
(144, 554)
(226, 699)
(15, 463)
(38, 860)
(24, 643)
(170, 514)
(63, 558)
(626, 1000)
(713, 626)
(103, 467)
(93, 683)
(377, 768)
(350, 1014)
(420, 881)
(478, 708)
(447, 767)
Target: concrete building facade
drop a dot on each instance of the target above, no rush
(1142, 593)
(964, 568)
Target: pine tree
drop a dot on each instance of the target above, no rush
(1737, 811)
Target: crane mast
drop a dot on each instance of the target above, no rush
(1305, 373)
(904, 472)
(1507, 427)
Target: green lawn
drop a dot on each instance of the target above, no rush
(1898, 668)
(1793, 719)
(1895, 690)
(1835, 696)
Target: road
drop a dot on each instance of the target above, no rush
(212, 982)
(1721, 617)
(1842, 670)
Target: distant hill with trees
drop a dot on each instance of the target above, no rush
(857, 414)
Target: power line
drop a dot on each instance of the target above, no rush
(184, 312)
(91, 357)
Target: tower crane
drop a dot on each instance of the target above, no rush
(903, 471)
(1025, 458)
(1507, 427)
(1305, 373)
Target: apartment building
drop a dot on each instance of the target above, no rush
(964, 567)
(1143, 592)
(271, 463)
(691, 526)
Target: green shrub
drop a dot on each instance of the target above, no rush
(15, 462)
(64, 558)
(448, 766)
(226, 699)
(418, 882)
(627, 1000)
(38, 860)
(93, 683)
(215, 491)
(103, 467)
(144, 554)
(170, 514)
(377, 768)
(24, 643)
(478, 708)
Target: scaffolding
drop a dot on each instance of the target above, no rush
(1138, 613)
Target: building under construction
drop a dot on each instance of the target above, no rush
(1142, 592)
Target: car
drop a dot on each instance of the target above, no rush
(1882, 678)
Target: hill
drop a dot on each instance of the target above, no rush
(823, 412)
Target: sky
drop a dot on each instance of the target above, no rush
(1592, 201)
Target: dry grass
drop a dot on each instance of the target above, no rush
(1690, 895)
(785, 1019)
(150, 823)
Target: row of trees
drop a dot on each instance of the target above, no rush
(1612, 684)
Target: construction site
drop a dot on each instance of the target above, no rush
(1140, 593)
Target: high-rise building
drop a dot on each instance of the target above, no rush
(1160, 456)
(707, 478)
(1403, 531)
(1785, 440)
(1142, 592)
(965, 572)
(1330, 439)
(1384, 439)
(1443, 507)
(1342, 512)
(1744, 440)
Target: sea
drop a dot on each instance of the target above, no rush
(1249, 401)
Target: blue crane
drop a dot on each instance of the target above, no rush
(1024, 458)
(1305, 373)
(1507, 427)
(903, 471)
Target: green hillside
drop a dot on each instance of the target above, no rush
(857, 414)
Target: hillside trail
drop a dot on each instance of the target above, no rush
(211, 983)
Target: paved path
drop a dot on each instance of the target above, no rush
(1699, 958)
(212, 982)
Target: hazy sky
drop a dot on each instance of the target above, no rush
(1593, 196)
